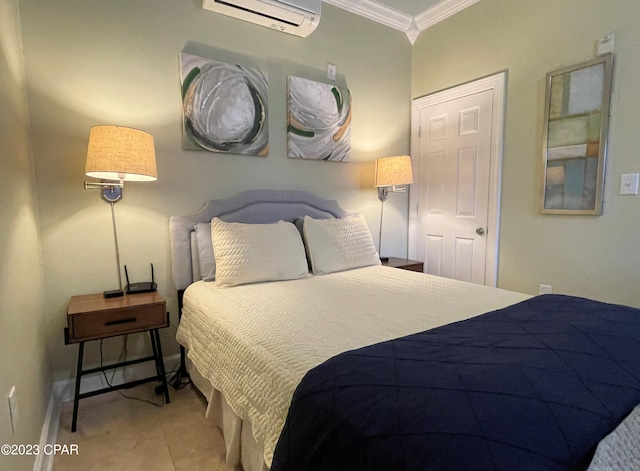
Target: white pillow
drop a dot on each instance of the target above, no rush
(339, 244)
(249, 253)
(205, 251)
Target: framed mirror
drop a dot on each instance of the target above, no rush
(575, 137)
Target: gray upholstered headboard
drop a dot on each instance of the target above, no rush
(254, 207)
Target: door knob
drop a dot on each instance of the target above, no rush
(480, 231)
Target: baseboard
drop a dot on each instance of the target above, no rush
(63, 391)
(44, 462)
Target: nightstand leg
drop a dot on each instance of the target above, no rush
(76, 397)
(155, 342)
(155, 351)
(182, 373)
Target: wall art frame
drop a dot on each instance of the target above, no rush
(576, 126)
(318, 121)
(224, 107)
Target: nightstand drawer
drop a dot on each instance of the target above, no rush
(121, 321)
(92, 316)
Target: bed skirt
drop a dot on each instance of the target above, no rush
(243, 453)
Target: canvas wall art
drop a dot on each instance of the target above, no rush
(575, 140)
(224, 107)
(319, 121)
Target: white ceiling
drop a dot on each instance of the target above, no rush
(411, 7)
(409, 16)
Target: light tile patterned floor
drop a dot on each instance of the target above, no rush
(115, 433)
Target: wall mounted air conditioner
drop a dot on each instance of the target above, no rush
(298, 17)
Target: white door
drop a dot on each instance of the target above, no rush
(455, 195)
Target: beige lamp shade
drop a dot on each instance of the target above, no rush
(121, 153)
(391, 171)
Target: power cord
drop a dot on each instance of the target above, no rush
(180, 377)
(123, 354)
(179, 380)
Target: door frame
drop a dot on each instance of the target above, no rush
(497, 83)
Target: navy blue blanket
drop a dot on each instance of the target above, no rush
(533, 386)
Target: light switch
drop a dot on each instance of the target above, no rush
(629, 184)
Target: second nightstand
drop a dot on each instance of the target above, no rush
(93, 317)
(404, 264)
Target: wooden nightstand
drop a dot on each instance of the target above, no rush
(404, 264)
(94, 317)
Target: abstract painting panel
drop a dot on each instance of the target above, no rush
(576, 124)
(224, 107)
(319, 121)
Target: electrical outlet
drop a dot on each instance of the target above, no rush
(331, 71)
(13, 408)
(545, 289)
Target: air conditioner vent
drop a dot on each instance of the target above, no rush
(297, 17)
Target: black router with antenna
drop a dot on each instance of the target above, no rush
(142, 286)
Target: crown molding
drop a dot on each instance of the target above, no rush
(411, 26)
(376, 12)
(441, 11)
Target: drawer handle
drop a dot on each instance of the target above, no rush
(128, 320)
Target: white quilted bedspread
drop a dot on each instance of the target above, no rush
(620, 450)
(255, 342)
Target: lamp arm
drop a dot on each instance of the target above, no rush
(102, 185)
(111, 191)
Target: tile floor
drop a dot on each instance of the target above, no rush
(115, 433)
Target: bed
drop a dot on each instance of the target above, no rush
(274, 349)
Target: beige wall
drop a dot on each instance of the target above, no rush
(92, 62)
(23, 321)
(598, 257)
